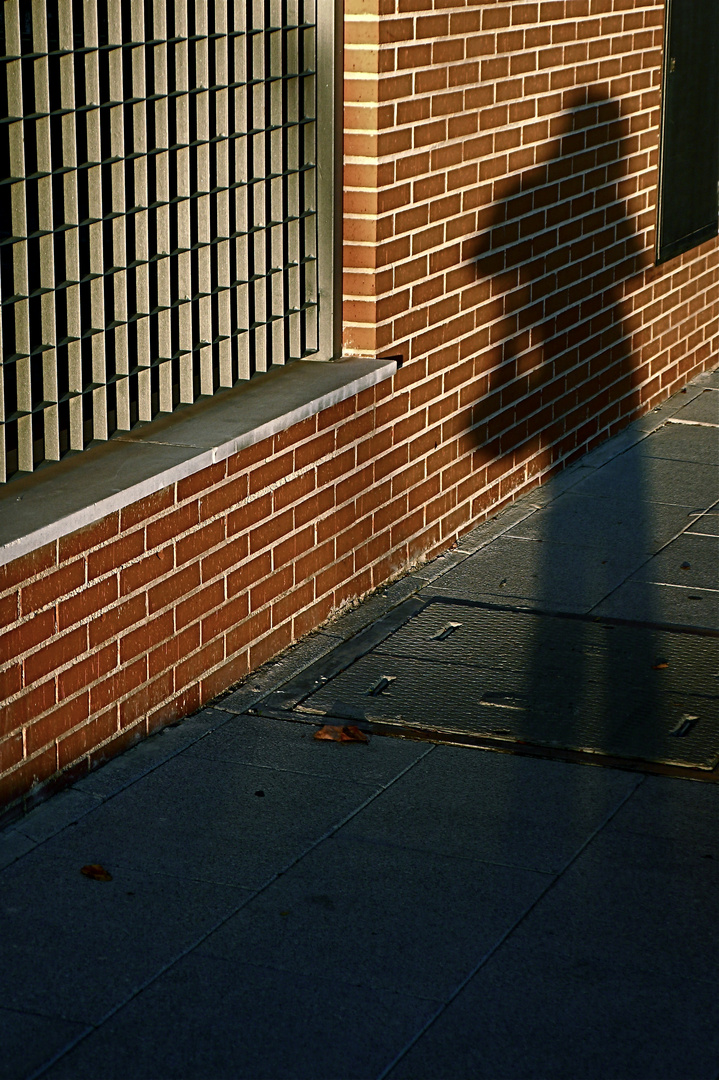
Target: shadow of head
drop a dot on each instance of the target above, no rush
(559, 253)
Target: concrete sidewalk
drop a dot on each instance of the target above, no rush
(285, 907)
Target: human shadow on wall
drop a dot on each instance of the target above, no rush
(561, 258)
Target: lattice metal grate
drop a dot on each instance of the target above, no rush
(158, 221)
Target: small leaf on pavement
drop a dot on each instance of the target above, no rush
(96, 872)
(348, 733)
(660, 664)
(328, 732)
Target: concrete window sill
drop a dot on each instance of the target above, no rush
(64, 497)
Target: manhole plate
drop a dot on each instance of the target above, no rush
(625, 691)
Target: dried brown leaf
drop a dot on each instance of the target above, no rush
(328, 732)
(350, 733)
(347, 733)
(96, 872)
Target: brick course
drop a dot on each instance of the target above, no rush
(500, 213)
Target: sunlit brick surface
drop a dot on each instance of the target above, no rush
(500, 201)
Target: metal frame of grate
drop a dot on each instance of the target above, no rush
(159, 182)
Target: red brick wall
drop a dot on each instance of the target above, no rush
(136, 620)
(500, 207)
(501, 181)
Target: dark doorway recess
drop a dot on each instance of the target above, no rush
(689, 160)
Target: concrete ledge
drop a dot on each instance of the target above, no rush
(66, 496)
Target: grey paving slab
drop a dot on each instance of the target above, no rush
(405, 586)
(703, 408)
(625, 523)
(560, 483)
(489, 530)
(380, 915)
(523, 571)
(118, 773)
(353, 619)
(706, 524)
(212, 1017)
(74, 948)
(503, 809)
(690, 560)
(619, 444)
(648, 902)
(202, 818)
(658, 415)
(540, 1017)
(28, 1040)
(241, 699)
(57, 813)
(379, 604)
(673, 604)
(684, 442)
(611, 975)
(636, 481)
(709, 378)
(292, 747)
(277, 671)
(678, 810)
(13, 845)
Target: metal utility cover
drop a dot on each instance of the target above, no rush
(621, 690)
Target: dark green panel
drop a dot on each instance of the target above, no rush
(689, 171)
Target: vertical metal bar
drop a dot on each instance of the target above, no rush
(136, 397)
(276, 185)
(292, 181)
(94, 320)
(3, 411)
(223, 329)
(18, 212)
(153, 222)
(116, 260)
(181, 252)
(71, 218)
(329, 177)
(242, 167)
(202, 199)
(308, 141)
(4, 468)
(51, 435)
(257, 205)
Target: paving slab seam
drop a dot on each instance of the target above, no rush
(691, 423)
(284, 771)
(18, 826)
(693, 520)
(42, 1070)
(498, 944)
(533, 508)
(100, 799)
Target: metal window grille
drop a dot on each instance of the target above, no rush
(158, 209)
